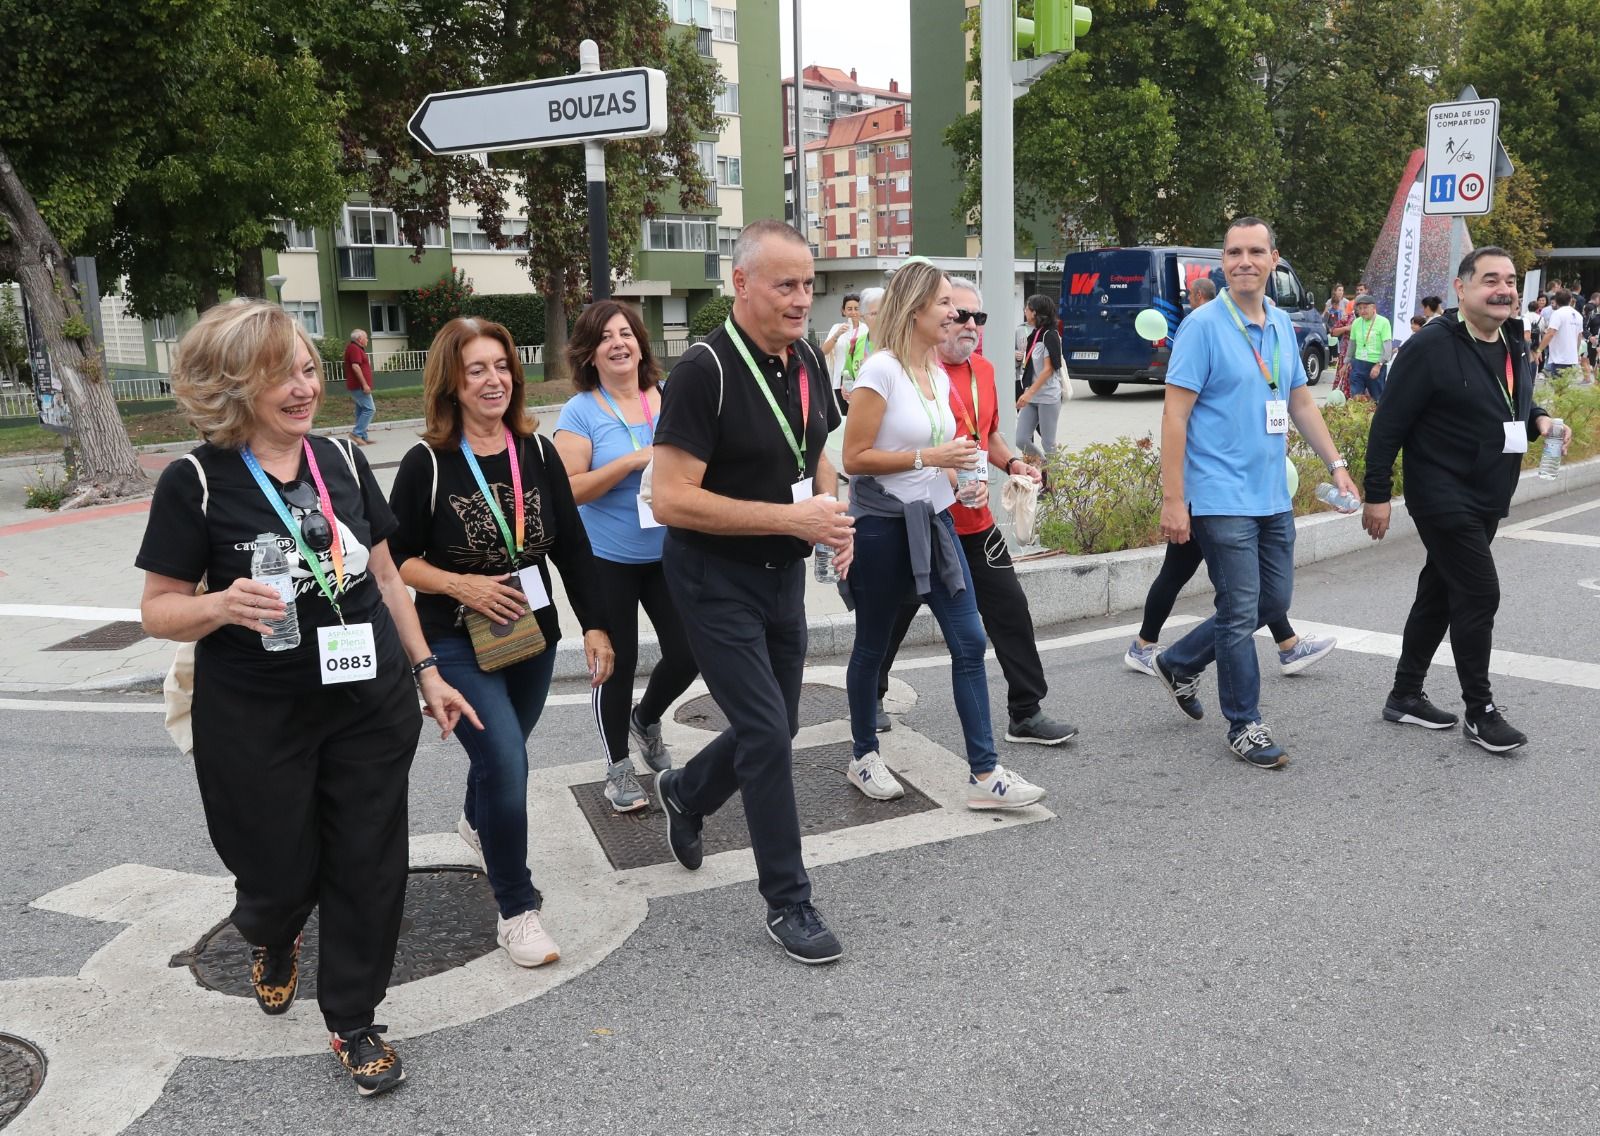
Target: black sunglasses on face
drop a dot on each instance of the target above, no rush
(314, 527)
(979, 318)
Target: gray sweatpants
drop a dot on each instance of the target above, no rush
(1038, 418)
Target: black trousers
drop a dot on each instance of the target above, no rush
(1458, 590)
(747, 626)
(1181, 563)
(305, 800)
(1003, 607)
(623, 588)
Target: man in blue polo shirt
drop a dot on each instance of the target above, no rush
(1234, 381)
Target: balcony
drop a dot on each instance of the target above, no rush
(713, 266)
(358, 263)
(702, 41)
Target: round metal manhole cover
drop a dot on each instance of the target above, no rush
(818, 703)
(21, 1074)
(449, 921)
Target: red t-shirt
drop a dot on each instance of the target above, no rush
(356, 364)
(987, 421)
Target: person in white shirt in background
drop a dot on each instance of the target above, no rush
(1563, 335)
(841, 338)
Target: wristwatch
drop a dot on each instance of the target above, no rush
(1011, 461)
(916, 460)
(1338, 463)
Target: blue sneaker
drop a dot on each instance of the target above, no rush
(1308, 649)
(1141, 659)
(1254, 746)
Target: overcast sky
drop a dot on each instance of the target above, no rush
(873, 36)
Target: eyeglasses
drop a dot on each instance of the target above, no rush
(964, 314)
(314, 527)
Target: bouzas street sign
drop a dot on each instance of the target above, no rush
(628, 103)
(1463, 139)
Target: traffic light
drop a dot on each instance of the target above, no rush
(1054, 29)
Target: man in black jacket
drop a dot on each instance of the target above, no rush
(1460, 404)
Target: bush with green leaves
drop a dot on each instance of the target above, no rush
(432, 306)
(521, 314)
(710, 316)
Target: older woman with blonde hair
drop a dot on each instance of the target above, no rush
(902, 452)
(484, 505)
(305, 709)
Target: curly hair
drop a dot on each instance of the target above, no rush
(443, 373)
(586, 338)
(237, 351)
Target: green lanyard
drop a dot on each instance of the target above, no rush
(1238, 322)
(935, 421)
(860, 348)
(761, 381)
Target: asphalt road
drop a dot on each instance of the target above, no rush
(1398, 934)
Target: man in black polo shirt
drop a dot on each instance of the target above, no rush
(745, 490)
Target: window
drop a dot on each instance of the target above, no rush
(812, 189)
(306, 313)
(864, 248)
(904, 248)
(364, 225)
(725, 25)
(296, 236)
(725, 238)
(1287, 289)
(863, 218)
(672, 232)
(696, 12)
(902, 184)
(386, 318)
(467, 235)
(862, 182)
(863, 153)
(730, 171)
(903, 216)
(167, 327)
(727, 101)
(675, 310)
(902, 149)
(707, 153)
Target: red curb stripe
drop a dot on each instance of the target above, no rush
(94, 512)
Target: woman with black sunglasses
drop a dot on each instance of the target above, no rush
(304, 728)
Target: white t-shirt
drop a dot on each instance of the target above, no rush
(1567, 323)
(908, 425)
(841, 348)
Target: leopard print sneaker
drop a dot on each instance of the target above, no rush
(372, 1062)
(275, 974)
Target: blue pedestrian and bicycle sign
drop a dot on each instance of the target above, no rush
(1463, 141)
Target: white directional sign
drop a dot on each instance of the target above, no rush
(628, 103)
(1463, 139)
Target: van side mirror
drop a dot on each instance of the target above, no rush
(1311, 299)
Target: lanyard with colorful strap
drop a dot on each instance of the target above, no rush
(1238, 322)
(648, 419)
(1511, 380)
(797, 448)
(514, 550)
(971, 419)
(275, 499)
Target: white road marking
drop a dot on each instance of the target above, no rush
(58, 706)
(1580, 540)
(72, 611)
(1547, 518)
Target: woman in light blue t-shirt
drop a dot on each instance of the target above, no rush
(604, 436)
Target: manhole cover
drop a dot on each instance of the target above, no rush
(826, 800)
(449, 921)
(818, 703)
(111, 637)
(21, 1074)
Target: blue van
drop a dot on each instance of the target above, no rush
(1104, 290)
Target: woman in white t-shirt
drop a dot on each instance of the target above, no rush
(841, 338)
(902, 452)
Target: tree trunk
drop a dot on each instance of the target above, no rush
(249, 278)
(107, 466)
(555, 326)
(208, 297)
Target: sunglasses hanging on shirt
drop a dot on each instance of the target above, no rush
(314, 527)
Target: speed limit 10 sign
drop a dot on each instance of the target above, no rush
(1463, 138)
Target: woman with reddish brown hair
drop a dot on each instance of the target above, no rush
(483, 506)
(604, 436)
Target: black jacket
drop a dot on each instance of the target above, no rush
(1446, 410)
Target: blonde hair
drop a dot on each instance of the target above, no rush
(226, 361)
(443, 373)
(913, 287)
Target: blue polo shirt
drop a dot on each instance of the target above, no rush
(1233, 467)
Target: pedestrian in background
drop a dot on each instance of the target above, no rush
(301, 748)
(1371, 346)
(1562, 341)
(605, 437)
(841, 342)
(358, 381)
(1039, 405)
(484, 506)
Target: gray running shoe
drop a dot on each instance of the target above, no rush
(648, 739)
(623, 789)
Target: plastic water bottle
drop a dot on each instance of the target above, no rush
(1344, 502)
(822, 565)
(268, 566)
(1550, 461)
(968, 478)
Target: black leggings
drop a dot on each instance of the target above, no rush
(623, 587)
(1182, 562)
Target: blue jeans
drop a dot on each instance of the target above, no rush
(508, 703)
(365, 410)
(1251, 562)
(1361, 381)
(880, 581)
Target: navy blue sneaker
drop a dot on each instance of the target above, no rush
(1254, 746)
(1185, 690)
(683, 827)
(802, 934)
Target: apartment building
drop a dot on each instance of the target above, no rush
(858, 186)
(831, 93)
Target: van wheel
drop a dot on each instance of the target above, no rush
(1102, 388)
(1314, 364)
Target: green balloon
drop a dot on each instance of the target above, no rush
(1335, 398)
(1294, 476)
(1151, 325)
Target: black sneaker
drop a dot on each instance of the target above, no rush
(372, 1062)
(884, 723)
(275, 974)
(1493, 732)
(1254, 746)
(1040, 729)
(683, 827)
(802, 934)
(1416, 710)
(1185, 691)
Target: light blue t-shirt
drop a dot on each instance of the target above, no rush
(1233, 467)
(612, 520)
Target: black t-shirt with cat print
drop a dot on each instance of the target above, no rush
(453, 529)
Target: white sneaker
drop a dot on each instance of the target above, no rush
(869, 774)
(1003, 790)
(526, 940)
(469, 836)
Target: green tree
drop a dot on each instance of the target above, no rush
(13, 339)
(1517, 222)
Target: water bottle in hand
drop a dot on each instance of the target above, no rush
(1344, 502)
(969, 477)
(1554, 446)
(822, 565)
(269, 566)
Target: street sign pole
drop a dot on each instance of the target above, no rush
(594, 168)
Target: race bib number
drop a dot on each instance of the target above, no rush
(347, 653)
(1516, 438)
(803, 490)
(1277, 416)
(533, 588)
